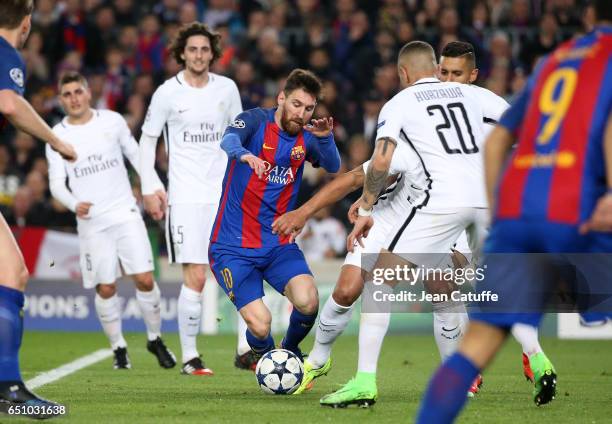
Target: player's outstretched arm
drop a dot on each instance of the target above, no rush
(57, 185)
(154, 196)
(496, 149)
(21, 114)
(338, 188)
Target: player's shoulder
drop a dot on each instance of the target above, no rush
(484, 93)
(10, 55)
(168, 86)
(253, 116)
(222, 81)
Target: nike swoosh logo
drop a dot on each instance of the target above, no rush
(267, 147)
(182, 111)
(452, 329)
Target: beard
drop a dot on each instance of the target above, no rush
(291, 126)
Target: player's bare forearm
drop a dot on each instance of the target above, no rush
(497, 148)
(376, 177)
(21, 115)
(335, 190)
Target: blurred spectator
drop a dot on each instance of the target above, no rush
(322, 237)
(251, 91)
(125, 12)
(545, 41)
(168, 10)
(24, 152)
(223, 12)
(150, 51)
(188, 13)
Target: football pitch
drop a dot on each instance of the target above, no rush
(149, 394)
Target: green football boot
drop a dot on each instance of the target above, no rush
(310, 373)
(360, 391)
(545, 379)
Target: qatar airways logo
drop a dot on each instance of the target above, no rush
(279, 174)
(94, 165)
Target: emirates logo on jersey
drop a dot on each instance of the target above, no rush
(297, 153)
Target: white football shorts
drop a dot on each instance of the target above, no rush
(188, 229)
(123, 246)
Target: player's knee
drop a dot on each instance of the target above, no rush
(106, 291)
(144, 281)
(345, 295)
(259, 327)
(308, 304)
(196, 278)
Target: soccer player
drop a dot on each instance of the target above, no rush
(453, 114)
(15, 25)
(562, 167)
(267, 149)
(193, 108)
(111, 229)
(458, 64)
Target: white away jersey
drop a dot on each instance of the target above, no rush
(193, 121)
(444, 123)
(408, 190)
(99, 175)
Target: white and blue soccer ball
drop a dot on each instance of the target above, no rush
(279, 372)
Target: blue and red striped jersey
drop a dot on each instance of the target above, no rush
(248, 204)
(12, 72)
(557, 171)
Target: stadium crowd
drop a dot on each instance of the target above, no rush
(121, 46)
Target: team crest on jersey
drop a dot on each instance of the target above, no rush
(16, 75)
(297, 153)
(238, 123)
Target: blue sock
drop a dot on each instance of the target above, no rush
(299, 327)
(447, 390)
(11, 331)
(260, 346)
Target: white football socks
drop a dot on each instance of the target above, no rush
(243, 346)
(372, 330)
(333, 319)
(149, 303)
(449, 325)
(109, 314)
(527, 336)
(189, 310)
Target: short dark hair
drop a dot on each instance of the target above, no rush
(13, 12)
(306, 80)
(420, 47)
(71, 76)
(460, 49)
(189, 30)
(603, 11)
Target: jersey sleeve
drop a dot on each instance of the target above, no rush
(494, 106)
(238, 133)
(322, 151)
(12, 72)
(157, 114)
(57, 179)
(389, 121)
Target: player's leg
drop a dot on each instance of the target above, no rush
(445, 395)
(13, 281)
(108, 309)
(258, 319)
(189, 311)
(245, 358)
(336, 314)
(527, 336)
(136, 257)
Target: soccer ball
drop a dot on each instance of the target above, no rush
(279, 372)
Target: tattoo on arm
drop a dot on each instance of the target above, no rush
(374, 183)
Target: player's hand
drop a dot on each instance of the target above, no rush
(65, 150)
(155, 204)
(360, 230)
(257, 165)
(290, 223)
(601, 219)
(353, 213)
(82, 209)
(320, 127)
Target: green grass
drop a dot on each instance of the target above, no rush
(149, 394)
